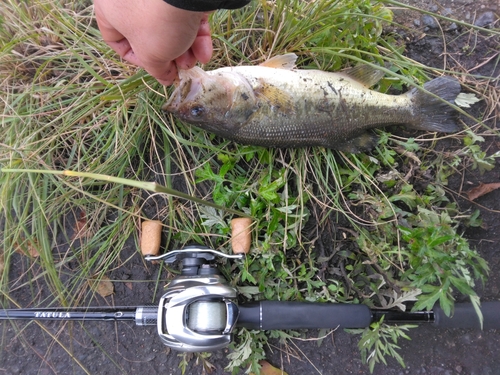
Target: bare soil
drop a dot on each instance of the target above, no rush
(122, 348)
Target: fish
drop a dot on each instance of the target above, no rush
(274, 104)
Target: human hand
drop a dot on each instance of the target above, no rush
(155, 35)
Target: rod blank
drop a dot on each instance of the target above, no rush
(90, 313)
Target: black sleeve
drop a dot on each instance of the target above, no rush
(207, 5)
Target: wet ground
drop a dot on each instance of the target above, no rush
(122, 348)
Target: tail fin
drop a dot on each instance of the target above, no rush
(432, 113)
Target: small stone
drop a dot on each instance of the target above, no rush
(452, 27)
(447, 12)
(416, 22)
(13, 369)
(459, 369)
(485, 19)
(429, 21)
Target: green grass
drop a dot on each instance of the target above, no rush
(68, 104)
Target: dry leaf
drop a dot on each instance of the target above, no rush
(268, 369)
(481, 190)
(402, 151)
(104, 287)
(32, 249)
(81, 229)
(466, 100)
(128, 285)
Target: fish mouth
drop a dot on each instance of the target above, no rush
(173, 102)
(187, 88)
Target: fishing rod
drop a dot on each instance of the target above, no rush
(199, 309)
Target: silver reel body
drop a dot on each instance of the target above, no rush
(198, 311)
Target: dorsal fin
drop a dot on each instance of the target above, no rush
(286, 61)
(364, 74)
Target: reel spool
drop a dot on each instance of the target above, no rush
(207, 316)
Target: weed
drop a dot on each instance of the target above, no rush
(379, 341)
(247, 352)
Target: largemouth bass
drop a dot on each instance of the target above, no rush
(276, 105)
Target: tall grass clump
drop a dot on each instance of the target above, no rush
(86, 154)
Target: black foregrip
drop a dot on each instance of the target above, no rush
(269, 315)
(249, 315)
(464, 316)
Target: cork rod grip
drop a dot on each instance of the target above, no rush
(241, 235)
(151, 237)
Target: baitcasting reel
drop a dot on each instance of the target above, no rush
(198, 310)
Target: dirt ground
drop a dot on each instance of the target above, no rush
(122, 348)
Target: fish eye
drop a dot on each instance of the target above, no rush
(197, 111)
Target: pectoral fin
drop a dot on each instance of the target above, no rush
(276, 98)
(286, 61)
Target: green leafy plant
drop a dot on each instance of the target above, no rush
(441, 261)
(247, 352)
(380, 341)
